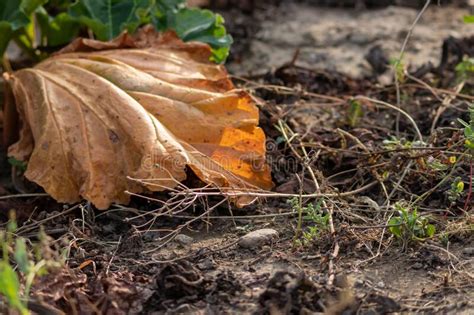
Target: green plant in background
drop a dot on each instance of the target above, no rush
(59, 21)
(312, 214)
(15, 283)
(408, 225)
(16, 18)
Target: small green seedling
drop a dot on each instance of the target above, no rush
(409, 226)
(399, 69)
(20, 165)
(317, 221)
(465, 70)
(9, 281)
(456, 191)
(355, 113)
(469, 130)
(393, 143)
(16, 281)
(436, 165)
(444, 238)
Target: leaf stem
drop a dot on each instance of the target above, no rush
(7, 67)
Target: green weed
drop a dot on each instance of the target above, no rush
(316, 220)
(456, 191)
(393, 143)
(465, 70)
(355, 113)
(409, 226)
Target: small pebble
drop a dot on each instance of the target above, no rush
(206, 264)
(183, 239)
(258, 238)
(468, 251)
(417, 265)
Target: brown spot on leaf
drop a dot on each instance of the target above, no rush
(113, 136)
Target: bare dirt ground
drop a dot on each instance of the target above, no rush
(166, 255)
(340, 38)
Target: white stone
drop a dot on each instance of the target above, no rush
(258, 238)
(183, 239)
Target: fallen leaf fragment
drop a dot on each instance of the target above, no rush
(144, 107)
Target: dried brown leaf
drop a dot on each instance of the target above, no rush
(145, 107)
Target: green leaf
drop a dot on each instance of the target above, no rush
(30, 6)
(58, 30)
(437, 165)
(11, 13)
(21, 256)
(460, 187)
(11, 226)
(171, 4)
(469, 129)
(10, 287)
(58, 5)
(430, 230)
(395, 228)
(108, 18)
(190, 23)
(469, 144)
(7, 33)
(462, 122)
(14, 15)
(201, 25)
(469, 19)
(21, 165)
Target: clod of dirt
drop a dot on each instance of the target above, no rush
(383, 304)
(289, 293)
(206, 264)
(258, 238)
(182, 288)
(71, 290)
